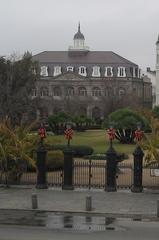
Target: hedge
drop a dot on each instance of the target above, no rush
(78, 151)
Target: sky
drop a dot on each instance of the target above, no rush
(127, 27)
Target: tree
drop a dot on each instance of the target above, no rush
(58, 121)
(17, 79)
(155, 111)
(125, 121)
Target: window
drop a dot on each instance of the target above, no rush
(44, 92)
(96, 71)
(82, 91)
(44, 71)
(57, 91)
(82, 71)
(121, 92)
(57, 70)
(121, 72)
(34, 92)
(108, 72)
(96, 92)
(70, 91)
(69, 68)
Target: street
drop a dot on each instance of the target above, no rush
(126, 229)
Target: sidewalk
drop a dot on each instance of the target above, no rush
(121, 202)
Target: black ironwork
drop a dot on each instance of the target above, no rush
(138, 170)
(111, 157)
(41, 161)
(68, 169)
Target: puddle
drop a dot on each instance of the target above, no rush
(60, 221)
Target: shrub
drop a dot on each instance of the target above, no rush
(55, 160)
(79, 151)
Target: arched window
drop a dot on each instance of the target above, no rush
(70, 91)
(82, 91)
(44, 92)
(57, 91)
(96, 92)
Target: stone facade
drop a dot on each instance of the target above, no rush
(79, 81)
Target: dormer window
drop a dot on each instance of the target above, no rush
(44, 71)
(121, 72)
(57, 70)
(96, 71)
(108, 72)
(70, 68)
(82, 71)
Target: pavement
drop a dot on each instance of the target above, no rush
(122, 202)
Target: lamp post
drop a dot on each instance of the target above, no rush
(41, 160)
(138, 162)
(111, 157)
(68, 160)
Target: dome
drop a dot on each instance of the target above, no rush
(78, 35)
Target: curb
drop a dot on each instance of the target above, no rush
(135, 216)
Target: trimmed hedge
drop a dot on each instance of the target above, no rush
(79, 151)
(55, 160)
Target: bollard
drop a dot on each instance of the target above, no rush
(34, 200)
(88, 203)
(158, 208)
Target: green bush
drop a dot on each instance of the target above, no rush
(55, 160)
(78, 151)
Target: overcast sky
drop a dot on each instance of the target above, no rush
(127, 27)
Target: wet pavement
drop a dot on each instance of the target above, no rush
(62, 221)
(121, 202)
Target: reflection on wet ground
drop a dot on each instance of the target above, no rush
(62, 221)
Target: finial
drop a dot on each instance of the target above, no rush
(157, 40)
(79, 26)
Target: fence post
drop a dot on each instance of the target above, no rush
(41, 167)
(138, 160)
(158, 208)
(68, 169)
(110, 179)
(88, 203)
(34, 200)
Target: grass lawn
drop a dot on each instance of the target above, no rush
(96, 139)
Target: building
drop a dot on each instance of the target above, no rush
(94, 83)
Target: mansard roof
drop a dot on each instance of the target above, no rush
(91, 57)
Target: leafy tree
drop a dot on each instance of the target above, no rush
(155, 111)
(58, 121)
(125, 121)
(17, 79)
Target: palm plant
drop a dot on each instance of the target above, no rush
(151, 142)
(15, 149)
